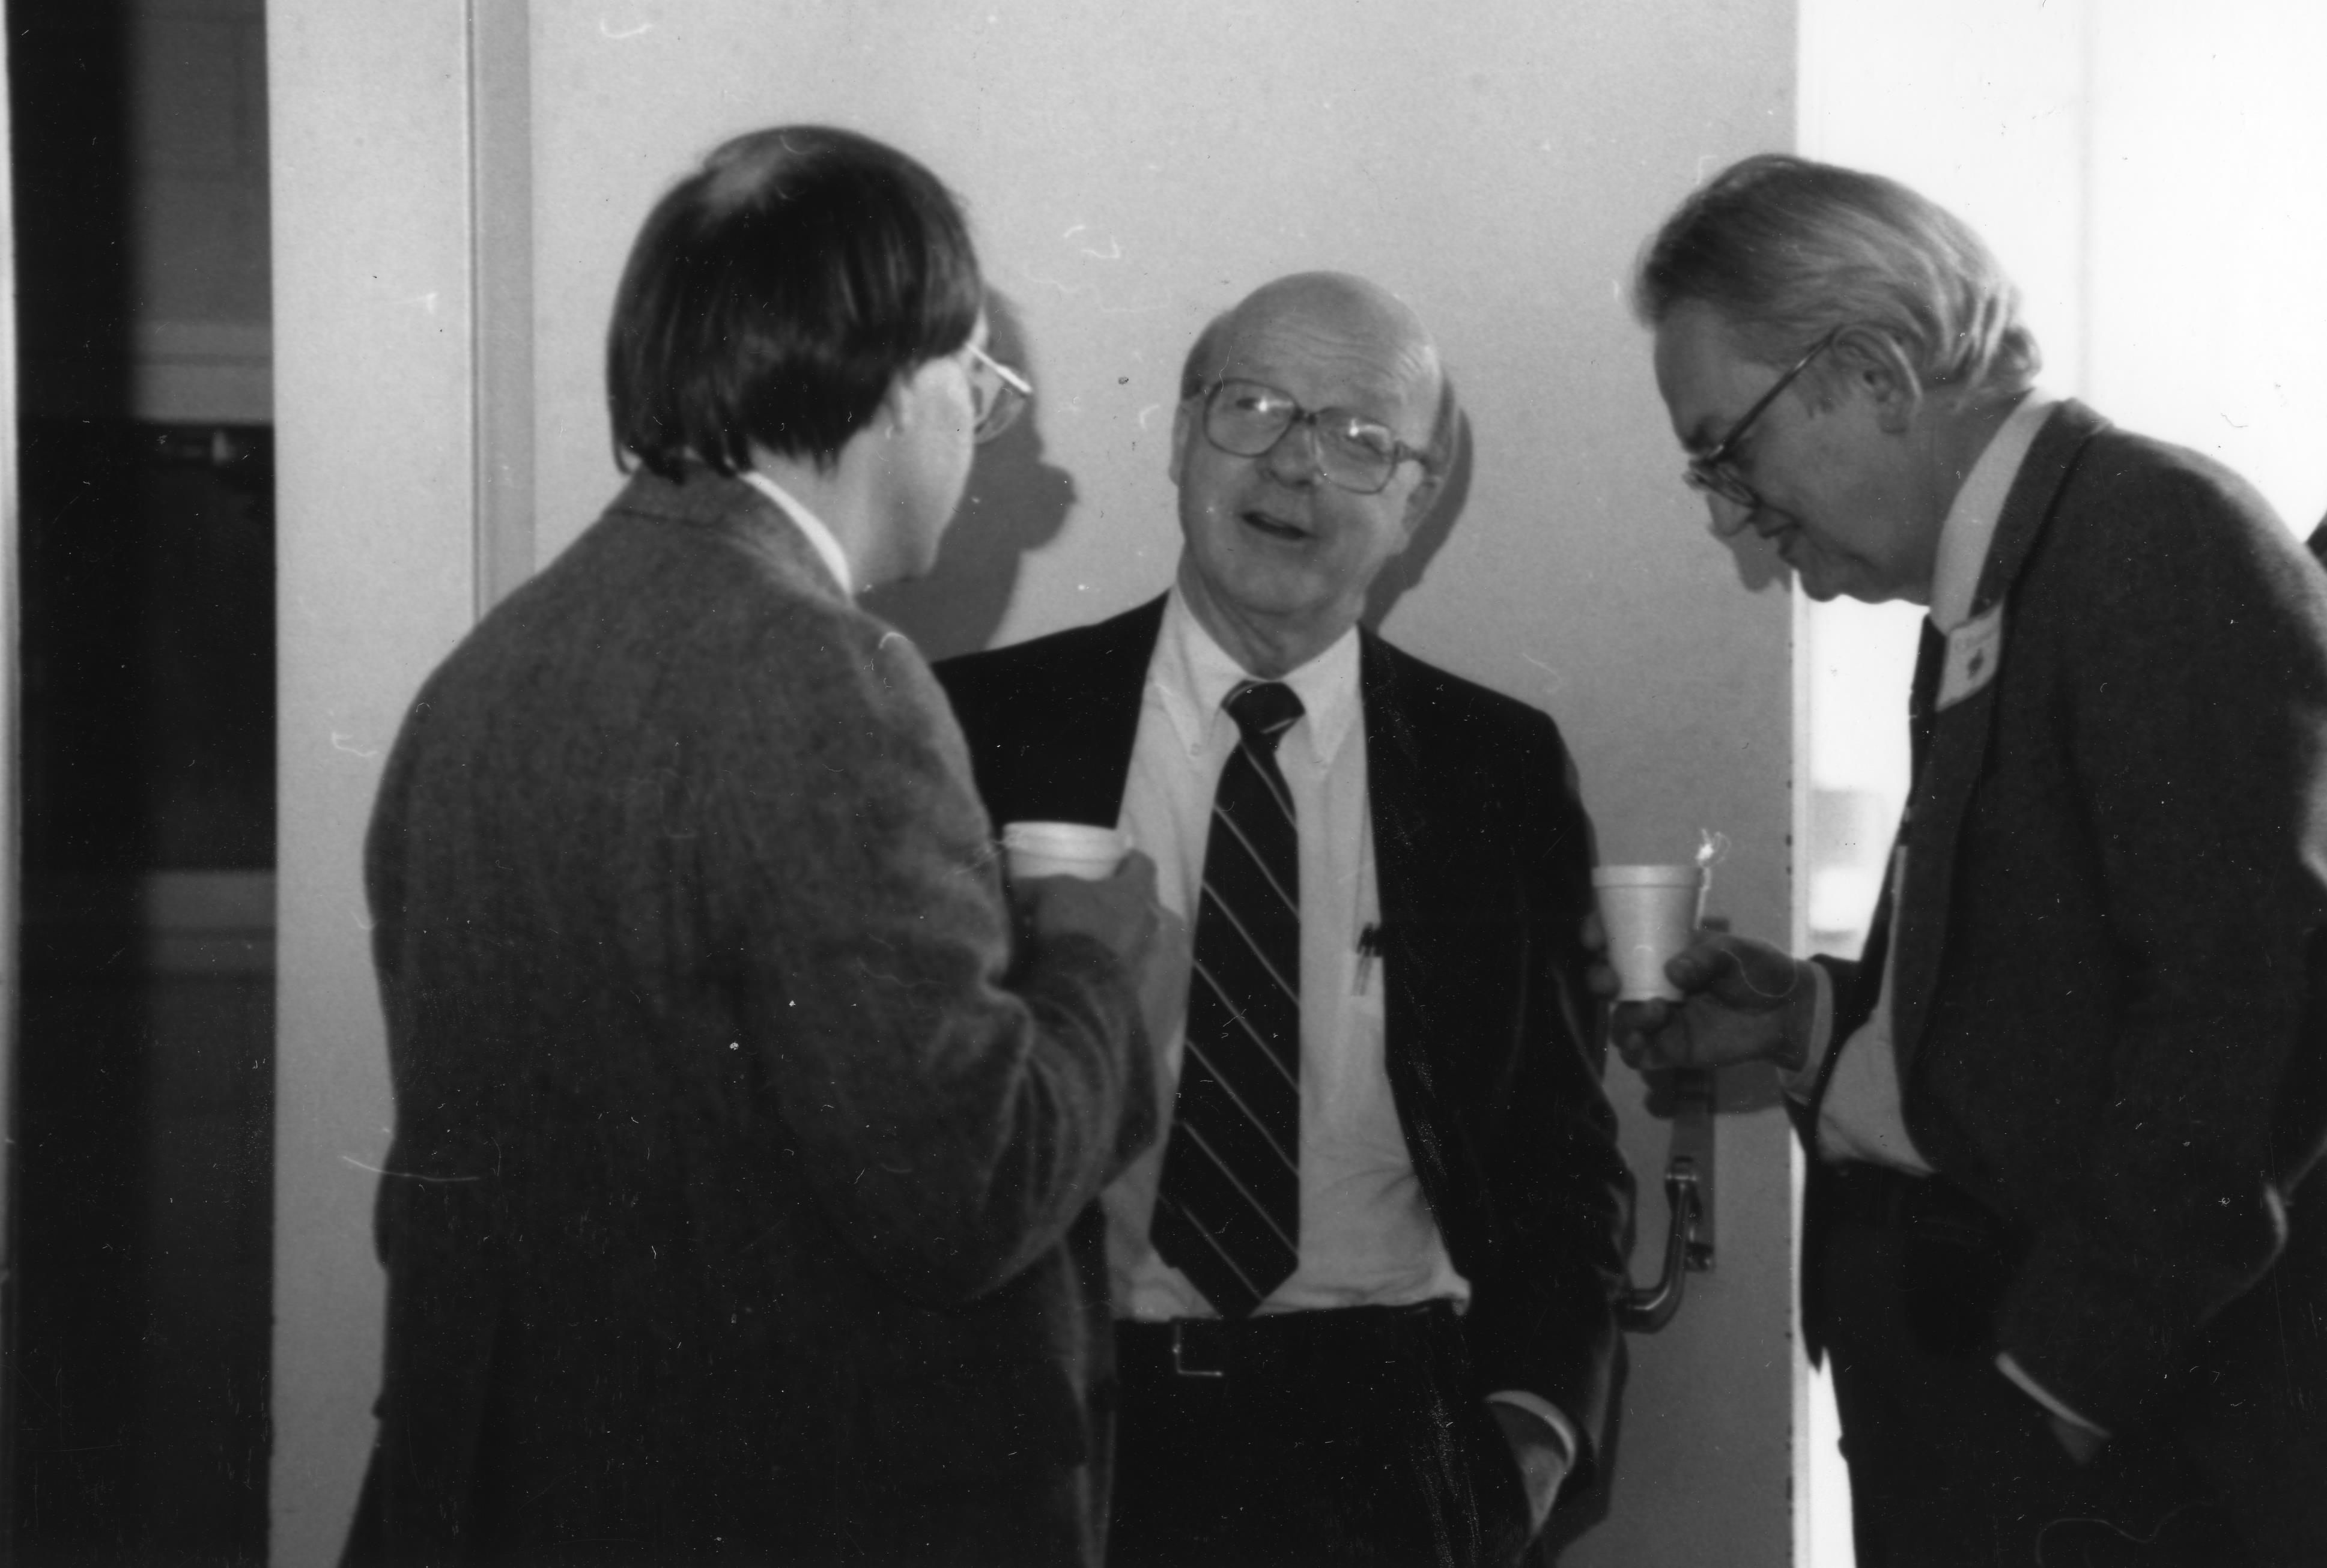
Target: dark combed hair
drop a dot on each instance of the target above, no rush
(774, 295)
(1787, 250)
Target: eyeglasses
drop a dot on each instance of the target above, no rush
(1247, 419)
(1715, 471)
(998, 393)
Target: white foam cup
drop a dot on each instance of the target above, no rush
(1075, 849)
(1650, 912)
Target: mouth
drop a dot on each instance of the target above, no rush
(1270, 526)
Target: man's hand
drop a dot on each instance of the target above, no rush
(1541, 1459)
(1744, 1001)
(1121, 912)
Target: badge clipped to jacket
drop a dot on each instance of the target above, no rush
(1975, 648)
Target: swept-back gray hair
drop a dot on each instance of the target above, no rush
(1787, 250)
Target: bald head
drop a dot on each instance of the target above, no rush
(1308, 446)
(1339, 304)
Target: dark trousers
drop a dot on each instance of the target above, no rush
(1344, 1438)
(1951, 1465)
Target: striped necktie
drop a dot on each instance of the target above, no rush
(1228, 1213)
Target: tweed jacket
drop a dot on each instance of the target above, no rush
(1485, 856)
(2109, 955)
(731, 1212)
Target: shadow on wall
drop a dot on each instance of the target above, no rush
(1016, 504)
(1405, 570)
(1758, 563)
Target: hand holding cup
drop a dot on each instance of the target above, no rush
(1739, 1000)
(1074, 877)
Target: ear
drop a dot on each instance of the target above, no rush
(1182, 427)
(1418, 502)
(902, 405)
(1878, 367)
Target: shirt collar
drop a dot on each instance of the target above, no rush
(1193, 675)
(1970, 526)
(828, 548)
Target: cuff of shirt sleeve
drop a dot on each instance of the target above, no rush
(1798, 1083)
(1543, 1409)
(2036, 1391)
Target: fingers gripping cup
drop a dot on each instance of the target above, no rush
(1650, 912)
(1076, 849)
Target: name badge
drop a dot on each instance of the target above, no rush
(1975, 648)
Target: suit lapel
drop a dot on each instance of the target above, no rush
(1406, 855)
(1962, 733)
(1087, 754)
(1401, 828)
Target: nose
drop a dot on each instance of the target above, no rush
(1730, 518)
(1293, 460)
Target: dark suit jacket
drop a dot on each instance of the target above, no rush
(2109, 957)
(1485, 857)
(728, 1211)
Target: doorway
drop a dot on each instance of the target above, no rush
(137, 1306)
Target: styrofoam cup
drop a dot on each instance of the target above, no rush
(1078, 849)
(1650, 912)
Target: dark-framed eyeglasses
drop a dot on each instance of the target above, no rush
(1715, 471)
(998, 394)
(1249, 418)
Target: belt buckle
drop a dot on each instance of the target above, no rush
(1180, 1366)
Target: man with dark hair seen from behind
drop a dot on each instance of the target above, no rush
(1364, 1290)
(733, 1209)
(2064, 1241)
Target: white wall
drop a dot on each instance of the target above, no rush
(1129, 171)
(2206, 315)
(375, 476)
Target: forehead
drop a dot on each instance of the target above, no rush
(1704, 375)
(1326, 362)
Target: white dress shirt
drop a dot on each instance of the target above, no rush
(820, 538)
(1861, 1117)
(1367, 1235)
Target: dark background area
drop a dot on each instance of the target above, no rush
(137, 1303)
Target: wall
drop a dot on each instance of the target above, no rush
(1128, 174)
(376, 487)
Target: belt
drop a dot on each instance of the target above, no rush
(1272, 1346)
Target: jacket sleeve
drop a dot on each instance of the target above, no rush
(1542, 1317)
(2198, 728)
(954, 1109)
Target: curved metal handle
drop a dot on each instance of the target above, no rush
(1646, 1310)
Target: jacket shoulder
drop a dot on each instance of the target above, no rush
(1029, 670)
(1430, 699)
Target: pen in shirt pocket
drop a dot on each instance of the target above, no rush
(1369, 950)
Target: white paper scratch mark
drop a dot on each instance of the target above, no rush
(1554, 682)
(340, 739)
(408, 1175)
(606, 31)
(1071, 290)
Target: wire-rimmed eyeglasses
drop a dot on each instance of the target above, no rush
(1249, 418)
(1716, 470)
(998, 393)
